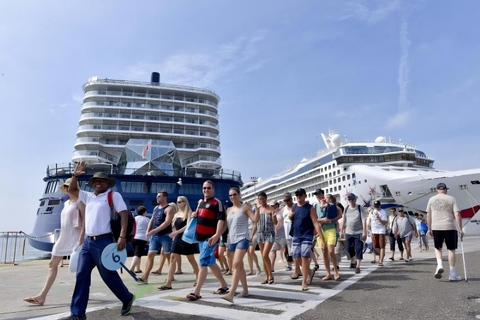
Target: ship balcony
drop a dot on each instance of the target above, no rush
(202, 161)
(152, 98)
(141, 131)
(171, 91)
(142, 118)
(117, 143)
(122, 106)
(93, 156)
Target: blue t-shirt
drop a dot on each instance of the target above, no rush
(302, 223)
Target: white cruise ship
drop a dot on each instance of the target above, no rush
(395, 173)
(149, 136)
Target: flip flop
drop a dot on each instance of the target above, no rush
(156, 273)
(295, 277)
(327, 277)
(193, 297)
(178, 272)
(164, 288)
(221, 290)
(227, 299)
(33, 301)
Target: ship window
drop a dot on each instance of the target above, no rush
(343, 178)
(339, 188)
(335, 189)
(42, 203)
(53, 202)
(157, 186)
(365, 180)
(134, 187)
(348, 176)
(49, 210)
(475, 182)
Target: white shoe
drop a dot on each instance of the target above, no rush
(454, 278)
(438, 272)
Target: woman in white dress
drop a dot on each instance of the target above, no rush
(72, 234)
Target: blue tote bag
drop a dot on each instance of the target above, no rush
(190, 231)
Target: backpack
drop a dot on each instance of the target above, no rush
(116, 221)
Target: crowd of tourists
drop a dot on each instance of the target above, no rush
(290, 231)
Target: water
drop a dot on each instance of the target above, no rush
(13, 249)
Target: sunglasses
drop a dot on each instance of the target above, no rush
(181, 201)
(233, 195)
(207, 188)
(287, 200)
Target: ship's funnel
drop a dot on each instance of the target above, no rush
(155, 78)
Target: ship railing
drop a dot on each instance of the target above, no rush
(12, 246)
(207, 173)
(153, 85)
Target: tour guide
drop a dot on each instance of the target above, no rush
(99, 235)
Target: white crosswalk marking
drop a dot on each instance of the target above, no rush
(283, 300)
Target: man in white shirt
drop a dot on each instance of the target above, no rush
(377, 221)
(98, 236)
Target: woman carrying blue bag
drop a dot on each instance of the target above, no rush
(182, 223)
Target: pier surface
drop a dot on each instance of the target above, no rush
(399, 290)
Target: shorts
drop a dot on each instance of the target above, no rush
(378, 240)
(266, 237)
(240, 245)
(450, 237)
(223, 240)
(207, 253)
(330, 236)
(407, 238)
(279, 244)
(139, 247)
(158, 242)
(301, 247)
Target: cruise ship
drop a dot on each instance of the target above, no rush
(149, 136)
(395, 173)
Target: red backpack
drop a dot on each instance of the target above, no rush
(116, 221)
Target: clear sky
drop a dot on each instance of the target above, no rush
(285, 71)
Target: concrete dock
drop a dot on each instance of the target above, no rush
(399, 290)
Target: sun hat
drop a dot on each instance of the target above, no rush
(101, 175)
(67, 183)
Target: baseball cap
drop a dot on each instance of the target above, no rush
(300, 192)
(352, 196)
(400, 209)
(442, 186)
(318, 192)
(377, 203)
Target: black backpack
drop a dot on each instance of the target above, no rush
(116, 221)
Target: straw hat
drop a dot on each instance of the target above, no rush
(67, 184)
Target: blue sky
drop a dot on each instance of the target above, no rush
(285, 71)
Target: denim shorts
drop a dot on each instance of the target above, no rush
(207, 253)
(240, 245)
(302, 247)
(158, 242)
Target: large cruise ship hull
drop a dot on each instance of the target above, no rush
(412, 188)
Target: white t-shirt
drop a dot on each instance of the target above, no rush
(142, 225)
(375, 224)
(97, 211)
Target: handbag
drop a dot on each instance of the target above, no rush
(72, 267)
(189, 235)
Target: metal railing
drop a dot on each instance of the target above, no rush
(12, 246)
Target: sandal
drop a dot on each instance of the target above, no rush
(270, 281)
(316, 267)
(264, 281)
(327, 277)
(178, 272)
(164, 288)
(221, 290)
(33, 301)
(156, 273)
(193, 297)
(295, 276)
(304, 289)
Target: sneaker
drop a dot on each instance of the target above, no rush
(127, 307)
(74, 318)
(288, 268)
(454, 278)
(352, 266)
(357, 270)
(438, 272)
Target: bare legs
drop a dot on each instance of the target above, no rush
(253, 256)
(306, 272)
(329, 255)
(163, 258)
(267, 264)
(150, 257)
(238, 275)
(202, 275)
(135, 266)
(52, 275)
